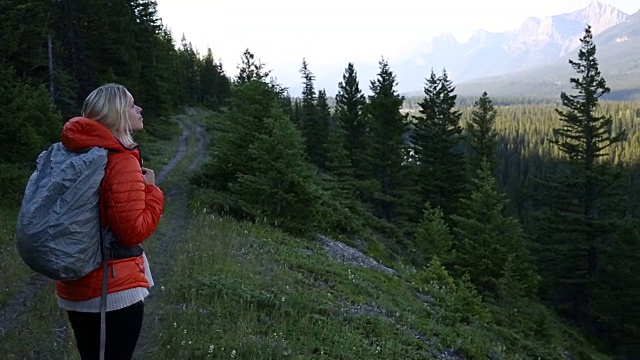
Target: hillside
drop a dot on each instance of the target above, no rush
(246, 291)
(231, 289)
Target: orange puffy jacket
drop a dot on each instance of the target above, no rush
(129, 207)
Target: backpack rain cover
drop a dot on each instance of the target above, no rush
(58, 228)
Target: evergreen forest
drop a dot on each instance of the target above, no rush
(520, 206)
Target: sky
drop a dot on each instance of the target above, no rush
(282, 32)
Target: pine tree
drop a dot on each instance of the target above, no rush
(578, 205)
(441, 170)
(482, 133)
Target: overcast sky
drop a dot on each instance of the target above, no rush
(282, 32)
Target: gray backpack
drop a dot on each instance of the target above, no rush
(58, 233)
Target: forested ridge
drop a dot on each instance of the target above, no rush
(509, 209)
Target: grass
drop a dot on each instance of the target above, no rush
(14, 272)
(158, 151)
(43, 333)
(233, 295)
(240, 290)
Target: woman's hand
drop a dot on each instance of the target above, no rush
(149, 176)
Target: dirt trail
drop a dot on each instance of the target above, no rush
(168, 237)
(176, 195)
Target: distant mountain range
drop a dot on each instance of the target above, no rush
(531, 61)
(536, 42)
(618, 53)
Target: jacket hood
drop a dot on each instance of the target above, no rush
(81, 133)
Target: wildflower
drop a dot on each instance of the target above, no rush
(211, 349)
(233, 353)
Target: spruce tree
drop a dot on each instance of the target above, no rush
(347, 212)
(238, 126)
(388, 148)
(296, 112)
(338, 165)
(29, 125)
(23, 44)
(578, 214)
(156, 87)
(314, 128)
(78, 43)
(250, 69)
(349, 113)
(259, 170)
(214, 84)
(617, 295)
(277, 187)
(482, 133)
(324, 121)
(189, 72)
(432, 238)
(441, 172)
(485, 239)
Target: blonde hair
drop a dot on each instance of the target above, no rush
(108, 106)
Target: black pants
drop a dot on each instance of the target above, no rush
(123, 329)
